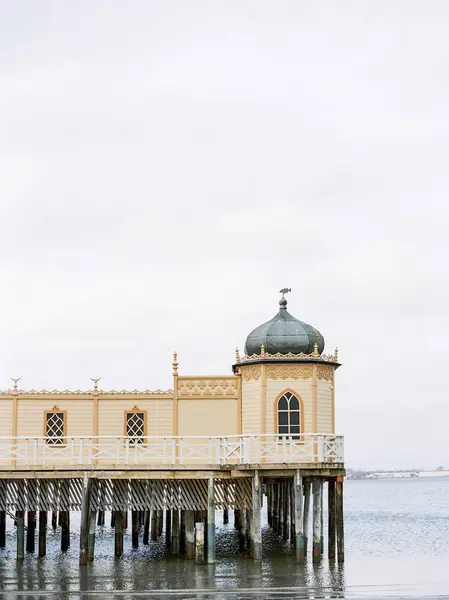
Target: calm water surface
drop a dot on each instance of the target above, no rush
(397, 546)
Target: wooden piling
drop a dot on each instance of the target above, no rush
(42, 533)
(54, 519)
(190, 533)
(285, 509)
(20, 521)
(2, 528)
(306, 524)
(175, 532)
(292, 513)
(316, 549)
(339, 520)
(65, 530)
(236, 518)
(84, 528)
(256, 525)
(275, 518)
(118, 538)
(225, 516)
(298, 518)
(159, 522)
(167, 526)
(112, 519)
(281, 509)
(242, 530)
(182, 532)
(100, 521)
(31, 530)
(146, 528)
(199, 543)
(153, 524)
(331, 519)
(210, 522)
(91, 537)
(322, 517)
(135, 528)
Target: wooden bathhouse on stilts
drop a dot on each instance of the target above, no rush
(169, 459)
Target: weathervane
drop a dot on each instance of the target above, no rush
(95, 380)
(285, 291)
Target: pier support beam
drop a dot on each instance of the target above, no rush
(20, 520)
(210, 522)
(339, 520)
(119, 521)
(175, 532)
(307, 489)
(65, 529)
(31, 531)
(42, 533)
(146, 528)
(54, 519)
(331, 520)
(317, 508)
(298, 517)
(167, 526)
(91, 538)
(135, 528)
(159, 522)
(199, 543)
(256, 525)
(84, 527)
(190, 534)
(153, 524)
(285, 510)
(242, 531)
(2, 528)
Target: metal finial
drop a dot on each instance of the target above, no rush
(283, 300)
(315, 349)
(16, 381)
(262, 350)
(336, 355)
(237, 355)
(175, 363)
(95, 380)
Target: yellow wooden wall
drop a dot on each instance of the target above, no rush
(208, 417)
(6, 412)
(302, 387)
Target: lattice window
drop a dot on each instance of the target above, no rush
(55, 424)
(135, 425)
(289, 415)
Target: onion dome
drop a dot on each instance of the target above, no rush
(284, 333)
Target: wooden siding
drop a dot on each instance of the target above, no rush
(208, 417)
(111, 415)
(31, 415)
(251, 413)
(324, 406)
(6, 410)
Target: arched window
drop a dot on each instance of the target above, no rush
(289, 417)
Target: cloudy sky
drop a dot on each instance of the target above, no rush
(167, 166)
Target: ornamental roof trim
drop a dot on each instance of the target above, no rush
(15, 392)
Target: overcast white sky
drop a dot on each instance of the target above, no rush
(167, 166)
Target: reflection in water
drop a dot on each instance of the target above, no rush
(397, 545)
(151, 572)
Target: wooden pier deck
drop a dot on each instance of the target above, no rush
(175, 484)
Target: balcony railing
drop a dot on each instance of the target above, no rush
(171, 451)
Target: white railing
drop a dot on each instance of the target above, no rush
(226, 450)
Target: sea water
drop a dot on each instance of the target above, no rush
(396, 542)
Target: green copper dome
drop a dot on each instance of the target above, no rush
(284, 334)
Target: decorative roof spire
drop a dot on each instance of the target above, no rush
(16, 381)
(175, 364)
(283, 300)
(237, 355)
(95, 380)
